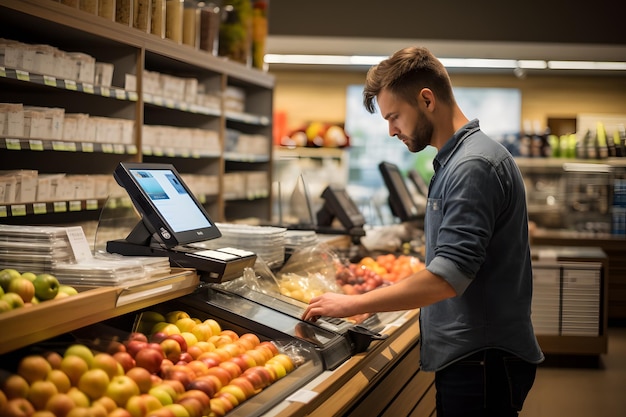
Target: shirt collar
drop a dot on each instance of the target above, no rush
(448, 149)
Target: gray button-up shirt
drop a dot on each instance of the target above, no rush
(476, 230)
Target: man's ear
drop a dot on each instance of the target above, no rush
(427, 97)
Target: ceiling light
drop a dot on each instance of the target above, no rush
(587, 65)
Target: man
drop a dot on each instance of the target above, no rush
(475, 293)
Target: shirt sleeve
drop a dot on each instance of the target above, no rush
(471, 200)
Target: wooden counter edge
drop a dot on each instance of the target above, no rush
(343, 385)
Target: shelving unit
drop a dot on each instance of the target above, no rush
(133, 52)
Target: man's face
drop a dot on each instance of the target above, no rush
(407, 122)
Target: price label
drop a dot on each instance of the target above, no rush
(49, 81)
(3, 72)
(35, 145)
(133, 96)
(119, 148)
(75, 205)
(131, 149)
(169, 103)
(18, 210)
(3, 211)
(58, 146)
(78, 242)
(71, 85)
(13, 144)
(87, 147)
(91, 204)
(70, 146)
(60, 207)
(22, 75)
(107, 148)
(105, 91)
(88, 88)
(39, 208)
(120, 94)
(157, 100)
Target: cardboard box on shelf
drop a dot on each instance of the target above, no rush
(24, 183)
(103, 75)
(11, 120)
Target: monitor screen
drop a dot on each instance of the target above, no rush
(337, 203)
(168, 209)
(400, 200)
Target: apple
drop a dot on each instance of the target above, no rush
(74, 367)
(150, 359)
(107, 363)
(180, 339)
(178, 386)
(81, 411)
(18, 407)
(23, 287)
(233, 349)
(202, 331)
(189, 338)
(244, 362)
(60, 404)
(97, 410)
(94, 382)
(224, 354)
(195, 351)
(220, 340)
(178, 409)
(215, 326)
(59, 379)
(209, 386)
(199, 368)
(80, 350)
(15, 386)
(258, 356)
(161, 412)
(185, 324)
(106, 402)
(233, 369)
(33, 368)
(201, 396)
(4, 305)
(233, 393)
(54, 358)
(158, 337)
(43, 413)
(278, 368)
(185, 357)
(259, 376)
(119, 412)
(192, 405)
(181, 373)
(140, 405)
(142, 377)
(115, 346)
(284, 360)
(251, 337)
(31, 276)
(134, 346)
(245, 384)
(211, 358)
(230, 334)
(6, 276)
(265, 350)
(173, 316)
(80, 398)
(13, 300)
(220, 406)
(221, 373)
(40, 392)
(137, 336)
(125, 359)
(67, 290)
(46, 286)
(171, 349)
(121, 388)
(164, 394)
(271, 346)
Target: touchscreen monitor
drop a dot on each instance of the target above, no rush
(168, 209)
(338, 204)
(400, 200)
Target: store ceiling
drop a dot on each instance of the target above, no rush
(530, 29)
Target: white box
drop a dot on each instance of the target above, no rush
(8, 185)
(84, 67)
(103, 75)
(130, 82)
(11, 119)
(11, 53)
(25, 184)
(35, 124)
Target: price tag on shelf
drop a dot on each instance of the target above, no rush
(87, 147)
(13, 144)
(18, 210)
(88, 88)
(71, 85)
(104, 91)
(50, 80)
(70, 146)
(22, 75)
(3, 211)
(131, 149)
(59, 206)
(107, 148)
(119, 148)
(35, 145)
(75, 205)
(133, 96)
(58, 146)
(3, 72)
(91, 204)
(120, 94)
(40, 208)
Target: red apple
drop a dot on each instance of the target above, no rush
(192, 405)
(60, 404)
(245, 385)
(233, 369)
(134, 346)
(181, 341)
(221, 373)
(207, 385)
(137, 336)
(54, 358)
(260, 376)
(201, 396)
(158, 337)
(125, 359)
(115, 346)
(231, 391)
(161, 412)
(230, 334)
(178, 386)
(185, 357)
(258, 356)
(142, 377)
(119, 412)
(251, 338)
(150, 359)
(220, 406)
(22, 287)
(210, 358)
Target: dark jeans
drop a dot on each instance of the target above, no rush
(490, 383)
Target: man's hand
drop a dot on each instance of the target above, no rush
(329, 305)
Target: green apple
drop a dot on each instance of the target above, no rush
(14, 300)
(6, 275)
(29, 276)
(67, 289)
(46, 286)
(4, 305)
(83, 351)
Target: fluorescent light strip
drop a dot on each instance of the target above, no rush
(365, 60)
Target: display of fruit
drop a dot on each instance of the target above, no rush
(27, 288)
(197, 370)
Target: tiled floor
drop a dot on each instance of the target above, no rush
(579, 389)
